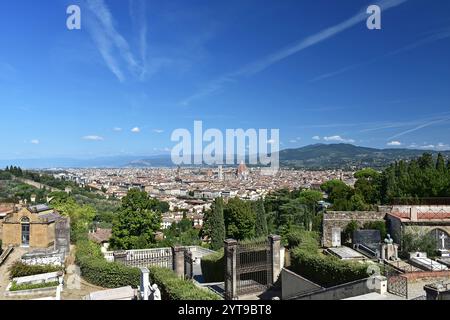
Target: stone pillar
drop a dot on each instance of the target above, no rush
(275, 246)
(413, 215)
(178, 260)
(144, 288)
(230, 246)
(188, 264)
(395, 251)
(382, 251)
(380, 284)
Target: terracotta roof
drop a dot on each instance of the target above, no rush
(100, 235)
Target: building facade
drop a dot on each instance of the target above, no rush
(32, 227)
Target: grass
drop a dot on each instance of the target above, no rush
(30, 286)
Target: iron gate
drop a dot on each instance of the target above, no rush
(253, 267)
(396, 282)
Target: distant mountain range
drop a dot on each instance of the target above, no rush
(316, 156)
(344, 155)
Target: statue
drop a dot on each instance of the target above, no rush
(156, 293)
(388, 239)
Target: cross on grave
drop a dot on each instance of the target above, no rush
(443, 236)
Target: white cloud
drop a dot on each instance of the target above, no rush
(394, 143)
(35, 141)
(108, 40)
(93, 138)
(136, 130)
(293, 141)
(337, 138)
(271, 141)
(316, 138)
(158, 130)
(117, 129)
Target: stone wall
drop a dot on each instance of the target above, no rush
(340, 219)
(11, 234)
(348, 290)
(293, 284)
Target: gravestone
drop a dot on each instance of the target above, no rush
(336, 237)
(369, 238)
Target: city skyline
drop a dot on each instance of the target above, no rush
(137, 70)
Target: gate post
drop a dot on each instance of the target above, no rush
(188, 265)
(275, 245)
(230, 246)
(144, 288)
(178, 260)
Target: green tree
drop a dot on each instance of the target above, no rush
(216, 223)
(239, 219)
(310, 197)
(261, 221)
(347, 234)
(136, 221)
(81, 216)
(415, 240)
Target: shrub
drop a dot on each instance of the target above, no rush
(29, 286)
(326, 271)
(20, 269)
(347, 234)
(307, 240)
(213, 267)
(414, 240)
(174, 288)
(95, 269)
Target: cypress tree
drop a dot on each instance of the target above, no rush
(440, 163)
(217, 225)
(261, 221)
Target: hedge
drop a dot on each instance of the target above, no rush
(326, 271)
(174, 288)
(20, 269)
(96, 270)
(307, 240)
(213, 267)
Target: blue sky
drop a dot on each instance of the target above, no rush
(310, 68)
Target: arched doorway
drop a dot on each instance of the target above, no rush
(442, 238)
(25, 231)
